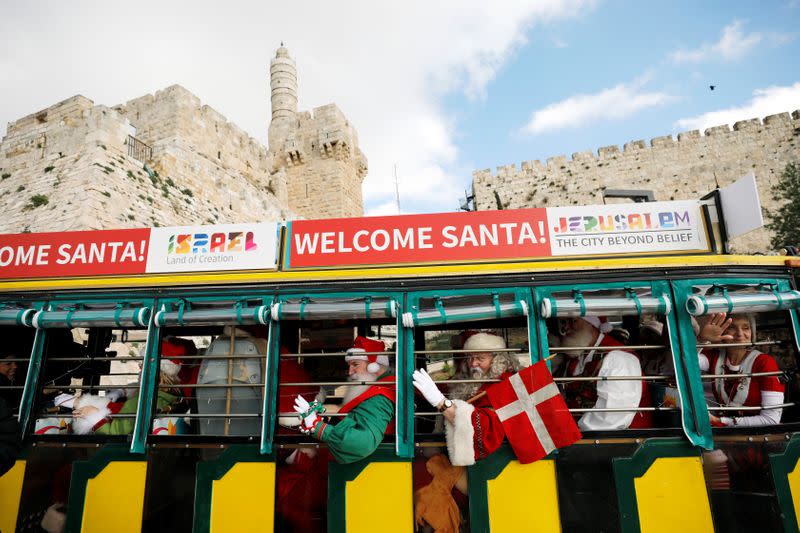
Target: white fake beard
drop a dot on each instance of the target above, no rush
(577, 338)
(477, 372)
(354, 391)
(81, 426)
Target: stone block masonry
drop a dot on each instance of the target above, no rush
(674, 169)
(67, 167)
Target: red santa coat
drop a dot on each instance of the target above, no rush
(476, 431)
(583, 394)
(743, 391)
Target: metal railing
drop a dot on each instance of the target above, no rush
(139, 150)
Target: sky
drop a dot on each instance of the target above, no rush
(436, 90)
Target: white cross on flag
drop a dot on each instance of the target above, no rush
(534, 416)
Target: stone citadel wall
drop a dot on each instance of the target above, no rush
(67, 168)
(674, 169)
(323, 164)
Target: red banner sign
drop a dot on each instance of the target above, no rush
(82, 253)
(419, 238)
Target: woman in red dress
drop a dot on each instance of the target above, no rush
(744, 391)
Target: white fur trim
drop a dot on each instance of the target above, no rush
(171, 368)
(289, 421)
(603, 327)
(460, 435)
(484, 342)
(84, 425)
(353, 354)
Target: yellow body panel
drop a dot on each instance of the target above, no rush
(672, 496)
(794, 487)
(271, 276)
(524, 498)
(119, 481)
(243, 499)
(380, 499)
(10, 492)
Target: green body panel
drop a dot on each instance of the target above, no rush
(270, 389)
(148, 382)
(477, 475)
(339, 475)
(782, 465)
(83, 471)
(211, 471)
(628, 468)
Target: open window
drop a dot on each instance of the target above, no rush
(311, 341)
(742, 334)
(90, 365)
(749, 363)
(212, 366)
(466, 340)
(16, 320)
(614, 348)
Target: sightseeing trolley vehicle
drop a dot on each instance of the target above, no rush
(590, 368)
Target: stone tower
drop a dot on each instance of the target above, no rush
(316, 153)
(283, 97)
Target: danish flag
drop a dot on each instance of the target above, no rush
(534, 415)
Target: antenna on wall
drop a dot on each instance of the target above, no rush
(396, 189)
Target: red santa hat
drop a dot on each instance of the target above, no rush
(599, 322)
(363, 346)
(169, 349)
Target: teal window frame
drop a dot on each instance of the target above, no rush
(413, 301)
(265, 300)
(37, 356)
(34, 363)
(404, 439)
(683, 376)
(682, 290)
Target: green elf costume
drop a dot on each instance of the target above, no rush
(370, 415)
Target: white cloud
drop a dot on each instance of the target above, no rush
(618, 102)
(732, 45)
(765, 102)
(386, 65)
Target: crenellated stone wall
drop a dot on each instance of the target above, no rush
(674, 169)
(324, 165)
(67, 167)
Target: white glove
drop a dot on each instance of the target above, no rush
(64, 400)
(54, 520)
(307, 413)
(426, 386)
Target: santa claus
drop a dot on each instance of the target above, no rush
(95, 414)
(369, 407)
(473, 431)
(591, 332)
